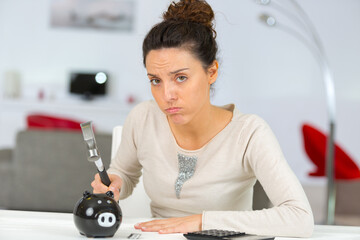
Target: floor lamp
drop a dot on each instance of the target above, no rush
(307, 34)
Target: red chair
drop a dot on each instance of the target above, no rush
(315, 147)
(46, 122)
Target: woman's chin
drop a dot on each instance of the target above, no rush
(176, 119)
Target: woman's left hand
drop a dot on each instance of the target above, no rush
(172, 225)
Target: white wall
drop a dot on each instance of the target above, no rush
(263, 70)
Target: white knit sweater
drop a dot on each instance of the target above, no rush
(216, 180)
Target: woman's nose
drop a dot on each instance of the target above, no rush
(170, 92)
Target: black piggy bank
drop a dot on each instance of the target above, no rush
(97, 215)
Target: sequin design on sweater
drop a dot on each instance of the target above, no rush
(187, 166)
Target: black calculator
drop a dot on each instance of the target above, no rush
(213, 234)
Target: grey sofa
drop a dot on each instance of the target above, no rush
(48, 170)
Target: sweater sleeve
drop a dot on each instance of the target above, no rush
(125, 164)
(291, 215)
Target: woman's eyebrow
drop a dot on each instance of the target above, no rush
(179, 70)
(152, 75)
(170, 73)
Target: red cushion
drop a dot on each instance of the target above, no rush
(51, 122)
(315, 147)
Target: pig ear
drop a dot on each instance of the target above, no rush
(110, 194)
(86, 194)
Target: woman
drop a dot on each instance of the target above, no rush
(199, 161)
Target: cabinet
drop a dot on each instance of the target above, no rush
(104, 114)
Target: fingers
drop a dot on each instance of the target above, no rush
(97, 185)
(153, 226)
(172, 225)
(115, 186)
(166, 227)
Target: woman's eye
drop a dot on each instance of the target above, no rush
(181, 78)
(154, 81)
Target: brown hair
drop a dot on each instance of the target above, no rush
(187, 24)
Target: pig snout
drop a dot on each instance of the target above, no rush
(106, 219)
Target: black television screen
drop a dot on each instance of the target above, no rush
(88, 84)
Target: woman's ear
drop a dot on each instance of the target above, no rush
(213, 72)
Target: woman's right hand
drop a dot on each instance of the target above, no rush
(115, 186)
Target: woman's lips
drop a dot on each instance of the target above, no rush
(172, 110)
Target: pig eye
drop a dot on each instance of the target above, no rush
(108, 201)
(99, 201)
(89, 212)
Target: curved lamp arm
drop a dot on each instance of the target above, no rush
(315, 46)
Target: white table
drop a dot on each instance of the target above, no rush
(44, 225)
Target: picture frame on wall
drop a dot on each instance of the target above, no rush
(113, 15)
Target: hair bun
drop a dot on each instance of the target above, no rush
(198, 11)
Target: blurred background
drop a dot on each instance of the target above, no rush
(262, 70)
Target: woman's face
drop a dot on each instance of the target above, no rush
(179, 83)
